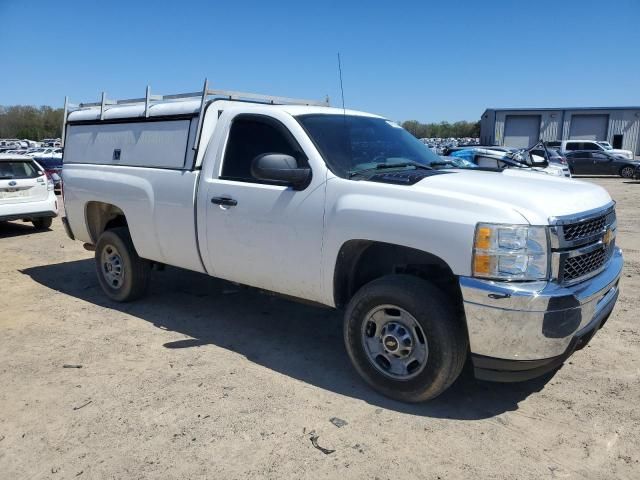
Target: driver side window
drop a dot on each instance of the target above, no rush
(253, 135)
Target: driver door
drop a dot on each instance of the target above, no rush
(258, 233)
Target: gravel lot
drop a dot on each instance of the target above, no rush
(203, 379)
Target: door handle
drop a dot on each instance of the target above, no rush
(224, 201)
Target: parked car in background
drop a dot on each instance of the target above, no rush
(593, 146)
(40, 151)
(53, 166)
(503, 157)
(600, 163)
(26, 192)
(449, 150)
(455, 162)
(51, 142)
(554, 155)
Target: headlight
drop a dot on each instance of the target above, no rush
(510, 252)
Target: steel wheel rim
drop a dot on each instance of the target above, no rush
(627, 172)
(394, 342)
(112, 266)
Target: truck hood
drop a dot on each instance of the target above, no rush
(535, 196)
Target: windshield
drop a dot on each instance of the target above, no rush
(18, 169)
(351, 144)
(606, 145)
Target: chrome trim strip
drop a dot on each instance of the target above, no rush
(582, 250)
(558, 241)
(582, 216)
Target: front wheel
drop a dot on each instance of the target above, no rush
(627, 172)
(404, 338)
(122, 274)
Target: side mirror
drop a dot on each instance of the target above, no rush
(280, 168)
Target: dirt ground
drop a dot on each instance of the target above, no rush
(203, 379)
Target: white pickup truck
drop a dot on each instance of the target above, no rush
(432, 264)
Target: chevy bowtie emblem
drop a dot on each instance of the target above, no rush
(13, 183)
(608, 236)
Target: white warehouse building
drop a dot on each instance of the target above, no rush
(520, 127)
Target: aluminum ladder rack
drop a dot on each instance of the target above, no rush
(203, 95)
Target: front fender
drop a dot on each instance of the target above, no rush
(441, 225)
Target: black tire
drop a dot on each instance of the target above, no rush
(627, 172)
(42, 223)
(434, 311)
(135, 270)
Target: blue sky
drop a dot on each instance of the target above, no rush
(428, 61)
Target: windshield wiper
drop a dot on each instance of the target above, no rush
(5, 177)
(384, 166)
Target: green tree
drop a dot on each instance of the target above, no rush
(442, 129)
(24, 121)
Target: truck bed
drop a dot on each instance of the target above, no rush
(167, 197)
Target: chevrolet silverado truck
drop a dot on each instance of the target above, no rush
(433, 265)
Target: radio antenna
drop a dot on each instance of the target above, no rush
(341, 88)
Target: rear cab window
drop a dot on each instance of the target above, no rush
(18, 169)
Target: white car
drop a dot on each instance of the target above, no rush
(26, 192)
(47, 152)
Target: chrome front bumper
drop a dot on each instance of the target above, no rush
(530, 322)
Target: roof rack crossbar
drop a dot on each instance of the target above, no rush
(233, 95)
(148, 99)
(230, 94)
(201, 95)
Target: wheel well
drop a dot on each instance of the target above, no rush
(361, 261)
(102, 216)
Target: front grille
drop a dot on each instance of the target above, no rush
(571, 236)
(588, 228)
(582, 265)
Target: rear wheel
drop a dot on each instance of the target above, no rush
(122, 274)
(42, 223)
(404, 338)
(627, 172)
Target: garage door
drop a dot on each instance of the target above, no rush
(521, 130)
(589, 127)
